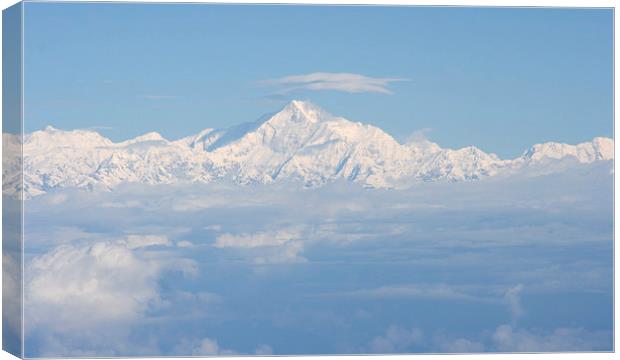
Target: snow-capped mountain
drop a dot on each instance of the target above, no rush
(300, 143)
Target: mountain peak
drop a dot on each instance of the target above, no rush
(600, 148)
(301, 104)
(51, 137)
(150, 136)
(299, 111)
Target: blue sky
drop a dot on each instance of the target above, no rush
(500, 79)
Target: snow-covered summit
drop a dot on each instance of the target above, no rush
(148, 137)
(298, 111)
(54, 138)
(301, 142)
(600, 148)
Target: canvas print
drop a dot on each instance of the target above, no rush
(219, 179)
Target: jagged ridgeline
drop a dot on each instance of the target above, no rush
(301, 143)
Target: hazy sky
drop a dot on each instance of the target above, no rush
(500, 79)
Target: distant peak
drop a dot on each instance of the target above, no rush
(150, 136)
(50, 128)
(303, 111)
(301, 104)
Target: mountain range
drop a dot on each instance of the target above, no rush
(300, 143)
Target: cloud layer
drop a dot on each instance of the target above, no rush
(514, 264)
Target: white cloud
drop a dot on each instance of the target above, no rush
(258, 239)
(196, 203)
(139, 241)
(84, 299)
(264, 350)
(461, 346)
(73, 287)
(185, 244)
(396, 339)
(513, 298)
(207, 347)
(203, 347)
(345, 82)
(210, 347)
(289, 253)
(507, 338)
(417, 136)
(272, 247)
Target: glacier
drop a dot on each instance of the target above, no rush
(301, 143)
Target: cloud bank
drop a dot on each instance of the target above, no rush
(515, 264)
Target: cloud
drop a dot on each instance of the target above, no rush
(508, 339)
(197, 203)
(289, 253)
(258, 239)
(272, 247)
(377, 247)
(203, 347)
(74, 287)
(417, 136)
(513, 298)
(396, 339)
(139, 241)
(263, 350)
(210, 347)
(93, 293)
(185, 244)
(345, 82)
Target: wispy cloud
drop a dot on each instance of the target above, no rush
(396, 339)
(267, 238)
(419, 135)
(345, 82)
(274, 247)
(513, 299)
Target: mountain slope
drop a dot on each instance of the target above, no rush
(301, 143)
